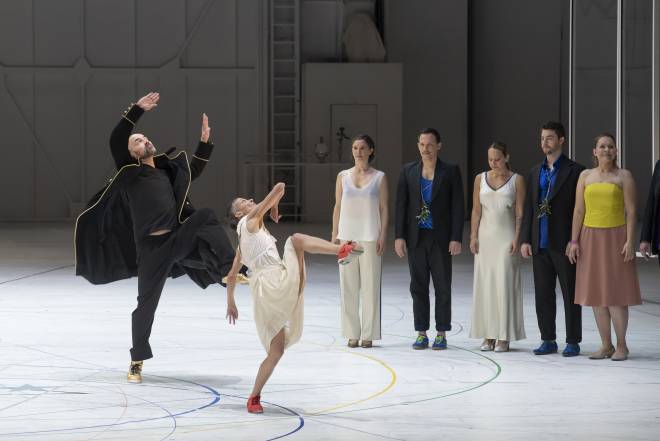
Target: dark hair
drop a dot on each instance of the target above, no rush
(556, 127)
(500, 146)
(430, 131)
(231, 218)
(594, 160)
(370, 143)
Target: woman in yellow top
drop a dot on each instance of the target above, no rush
(602, 241)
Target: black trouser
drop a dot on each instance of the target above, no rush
(429, 257)
(189, 245)
(548, 266)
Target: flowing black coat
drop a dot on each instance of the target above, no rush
(105, 248)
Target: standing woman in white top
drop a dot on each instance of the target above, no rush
(361, 215)
(497, 210)
(276, 283)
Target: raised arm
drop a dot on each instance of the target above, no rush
(255, 216)
(123, 129)
(203, 152)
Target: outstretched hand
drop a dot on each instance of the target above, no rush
(232, 313)
(149, 101)
(206, 130)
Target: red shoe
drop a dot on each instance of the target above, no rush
(347, 252)
(254, 405)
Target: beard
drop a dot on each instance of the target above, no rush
(149, 151)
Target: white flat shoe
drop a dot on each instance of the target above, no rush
(487, 345)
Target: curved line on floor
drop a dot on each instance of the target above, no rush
(370, 397)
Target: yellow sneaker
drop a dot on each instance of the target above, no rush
(135, 372)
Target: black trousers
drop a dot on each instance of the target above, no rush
(199, 243)
(429, 258)
(548, 266)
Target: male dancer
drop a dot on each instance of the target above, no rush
(546, 233)
(143, 224)
(429, 225)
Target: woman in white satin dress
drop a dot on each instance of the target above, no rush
(497, 209)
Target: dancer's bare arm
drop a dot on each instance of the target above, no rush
(232, 311)
(255, 216)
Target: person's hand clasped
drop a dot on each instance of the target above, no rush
(149, 101)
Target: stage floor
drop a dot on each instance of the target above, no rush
(64, 354)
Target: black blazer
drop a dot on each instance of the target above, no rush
(447, 205)
(562, 203)
(649, 221)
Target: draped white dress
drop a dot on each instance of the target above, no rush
(497, 308)
(277, 299)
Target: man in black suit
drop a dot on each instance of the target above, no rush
(429, 225)
(650, 240)
(546, 233)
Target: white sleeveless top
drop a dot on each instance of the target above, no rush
(258, 250)
(359, 216)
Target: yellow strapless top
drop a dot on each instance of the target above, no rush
(604, 206)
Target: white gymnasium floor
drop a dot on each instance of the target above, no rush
(64, 353)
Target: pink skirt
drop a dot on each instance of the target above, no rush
(603, 278)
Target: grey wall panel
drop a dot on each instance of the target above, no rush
(430, 38)
(515, 81)
(58, 128)
(16, 117)
(110, 32)
(106, 96)
(214, 42)
(16, 20)
(73, 103)
(320, 23)
(249, 32)
(57, 32)
(217, 96)
(160, 30)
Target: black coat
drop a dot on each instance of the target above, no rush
(447, 204)
(562, 204)
(104, 244)
(650, 219)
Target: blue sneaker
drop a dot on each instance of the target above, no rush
(422, 342)
(439, 343)
(547, 347)
(571, 350)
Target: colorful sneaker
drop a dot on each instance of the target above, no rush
(135, 372)
(422, 342)
(439, 343)
(571, 350)
(347, 252)
(254, 405)
(547, 347)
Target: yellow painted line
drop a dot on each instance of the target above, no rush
(370, 397)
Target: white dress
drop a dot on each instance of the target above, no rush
(277, 298)
(497, 308)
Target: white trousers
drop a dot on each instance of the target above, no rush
(360, 284)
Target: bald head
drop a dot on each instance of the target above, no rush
(140, 147)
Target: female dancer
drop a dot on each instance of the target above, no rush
(276, 283)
